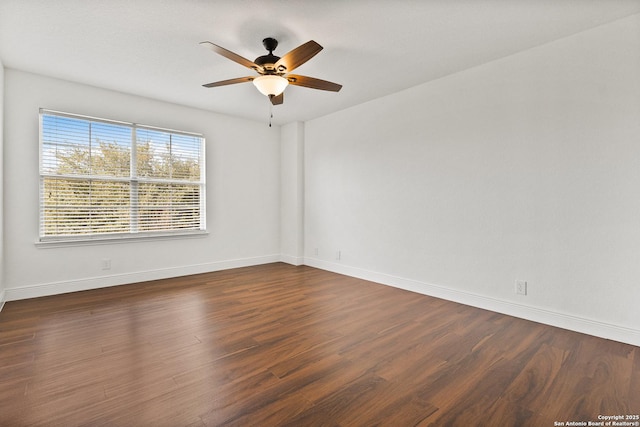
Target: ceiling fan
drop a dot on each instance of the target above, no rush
(274, 71)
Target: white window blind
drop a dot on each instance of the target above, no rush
(104, 179)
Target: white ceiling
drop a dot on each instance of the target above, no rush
(371, 47)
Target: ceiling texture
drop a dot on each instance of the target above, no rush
(372, 47)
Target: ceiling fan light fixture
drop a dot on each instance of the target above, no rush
(270, 84)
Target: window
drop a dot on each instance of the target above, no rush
(107, 179)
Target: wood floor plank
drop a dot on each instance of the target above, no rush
(634, 383)
(278, 345)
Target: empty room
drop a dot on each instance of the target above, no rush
(337, 213)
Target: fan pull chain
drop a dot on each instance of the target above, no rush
(270, 112)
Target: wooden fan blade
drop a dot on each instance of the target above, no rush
(312, 83)
(297, 57)
(277, 100)
(231, 55)
(229, 82)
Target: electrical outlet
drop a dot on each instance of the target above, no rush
(521, 287)
(315, 252)
(338, 255)
(106, 264)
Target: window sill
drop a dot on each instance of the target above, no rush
(122, 238)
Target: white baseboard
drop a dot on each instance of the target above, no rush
(2, 299)
(293, 260)
(54, 288)
(547, 317)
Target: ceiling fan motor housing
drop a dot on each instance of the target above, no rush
(267, 62)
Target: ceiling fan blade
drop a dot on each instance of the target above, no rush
(229, 82)
(230, 55)
(312, 83)
(297, 56)
(277, 100)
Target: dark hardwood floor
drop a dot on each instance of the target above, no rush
(278, 345)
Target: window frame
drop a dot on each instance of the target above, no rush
(132, 179)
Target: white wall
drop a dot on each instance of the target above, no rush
(242, 193)
(292, 193)
(524, 168)
(2, 293)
